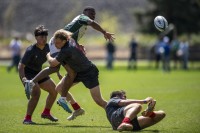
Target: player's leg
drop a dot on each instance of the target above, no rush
(35, 95)
(130, 112)
(59, 86)
(97, 97)
(77, 109)
(29, 84)
(45, 72)
(154, 118)
(90, 79)
(48, 85)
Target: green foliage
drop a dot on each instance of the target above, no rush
(195, 39)
(109, 22)
(177, 93)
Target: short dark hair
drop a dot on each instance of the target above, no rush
(41, 31)
(88, 8)
(117, 93)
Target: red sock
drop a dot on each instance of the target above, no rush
(75, 106)
(126, 120)
(27, 117)
(46, 111)
(152, 115)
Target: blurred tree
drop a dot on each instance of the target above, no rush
(109, 21)
(8, 18)
(184, 14)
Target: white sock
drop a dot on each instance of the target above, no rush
(32, 83)
(63, 98)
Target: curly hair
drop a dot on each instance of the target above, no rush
(63, 34)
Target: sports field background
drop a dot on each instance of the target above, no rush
(177, 93)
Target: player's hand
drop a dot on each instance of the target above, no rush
(109, 36)
(148, 99)
(59, 76)
(48, 54)
(82, 48)
(24, 79)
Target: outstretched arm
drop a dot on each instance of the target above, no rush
(107, 35)
(129, 101)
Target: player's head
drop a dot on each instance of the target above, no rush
(90, 12)
(41, 34)
(121, 94)
(61, 37)
(41, 31)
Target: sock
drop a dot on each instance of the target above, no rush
(75, 106)
(27, 117)
(63, 98)
(126, 120)
(46, 111)
(152, 115)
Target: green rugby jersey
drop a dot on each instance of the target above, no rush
(78, 26)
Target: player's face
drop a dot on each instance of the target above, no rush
(123, 96)
(91, 14)
(59, 43)
(41, 40)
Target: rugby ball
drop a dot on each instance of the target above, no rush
(160, 23)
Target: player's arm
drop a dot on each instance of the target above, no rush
(107, 35)
(58, 74)
(24, 61)
(52, 61)
(130, 101)
(21, 72)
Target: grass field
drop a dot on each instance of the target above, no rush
(177, 93)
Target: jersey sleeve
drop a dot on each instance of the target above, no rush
(114, 101)
(27, 56)
(85, 20)
(62, 56)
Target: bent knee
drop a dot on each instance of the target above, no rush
(162, 113)
(136, 106)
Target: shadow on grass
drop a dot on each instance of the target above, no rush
(67, 126)
(85, 126)
(152, 131)
(45, 124)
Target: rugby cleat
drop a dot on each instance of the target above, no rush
(64, 105)
(150, 109)
(125, 127)
(76, 113)
(28, 122)
(49, 116)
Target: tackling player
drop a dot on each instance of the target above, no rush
(82, 70)
(77, 26)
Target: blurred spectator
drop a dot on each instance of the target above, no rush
(166, 54)
(15, 46)
(183, 52)
(110, 47)
(132, 62)
(174, 51)
(159, 50)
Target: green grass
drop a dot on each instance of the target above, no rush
(177, 93)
